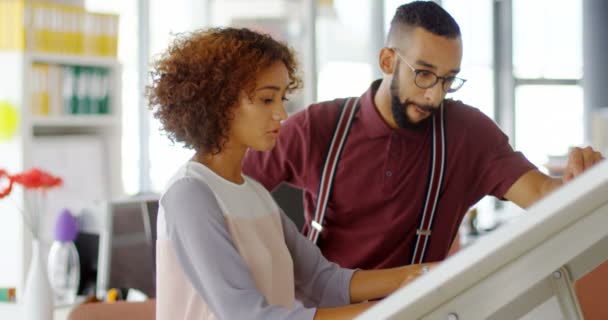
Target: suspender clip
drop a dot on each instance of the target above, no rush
(316, 225)
(422, 232)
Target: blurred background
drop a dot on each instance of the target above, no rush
(534, 66)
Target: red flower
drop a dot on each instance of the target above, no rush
(32, 179)
(6, 191)
(36, 178)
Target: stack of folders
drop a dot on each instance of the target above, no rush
(69, 90)
(56, 28)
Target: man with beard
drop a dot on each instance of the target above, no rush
(406, 163)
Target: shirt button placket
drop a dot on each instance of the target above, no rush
(393, 155)
(390, 163)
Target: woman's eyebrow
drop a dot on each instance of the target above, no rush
(269, 87)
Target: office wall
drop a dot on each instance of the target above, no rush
(595, 46)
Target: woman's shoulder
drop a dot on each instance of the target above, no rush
(184, 199)
(188, 171)
(189, 181)
(186, 189)
(193, 172)
(259, 189)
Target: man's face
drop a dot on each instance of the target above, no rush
(400, 109)
(411, 105)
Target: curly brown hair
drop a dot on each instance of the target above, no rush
(198, 81)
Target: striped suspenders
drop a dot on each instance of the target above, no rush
(349, 109)
(423, 233)
(343, 126)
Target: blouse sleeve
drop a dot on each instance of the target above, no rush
(319, 282)
(198, 234)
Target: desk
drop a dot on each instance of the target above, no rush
(515, 269)
(13, 311)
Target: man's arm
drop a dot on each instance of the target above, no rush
(530, 187)
(534, 185)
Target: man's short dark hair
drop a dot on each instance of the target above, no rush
(427, 15)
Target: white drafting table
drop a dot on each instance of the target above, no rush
(519, 266)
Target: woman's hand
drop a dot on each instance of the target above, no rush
(416, 270)
(368, 285)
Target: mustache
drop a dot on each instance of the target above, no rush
(394, 89)
(424, 107)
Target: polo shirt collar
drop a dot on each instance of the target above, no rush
(371, 120)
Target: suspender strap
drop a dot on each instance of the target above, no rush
(433, 188)
(349, 109)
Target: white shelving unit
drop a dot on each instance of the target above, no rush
(17, 154)
(70, 121)
(72, 60)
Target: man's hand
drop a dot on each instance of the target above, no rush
(534, 185)
(580, 160)
(415, 271)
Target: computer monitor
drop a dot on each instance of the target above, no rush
(87, 245)
(127, 250)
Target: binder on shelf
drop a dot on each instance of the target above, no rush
(104, 90)
(69, 84)
(12, 35)
(100, 91)
(39, 89)
(69, 90)
(82, 90)
(57, 28)
(55, 83)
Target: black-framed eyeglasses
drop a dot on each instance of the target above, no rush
(425, 79)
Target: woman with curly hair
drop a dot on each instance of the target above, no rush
(225, 250)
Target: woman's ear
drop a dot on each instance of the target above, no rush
(386, 60)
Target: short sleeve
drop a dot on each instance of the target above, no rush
(498, 165)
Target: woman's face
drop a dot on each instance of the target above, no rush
(257, 120)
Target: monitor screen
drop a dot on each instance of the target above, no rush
(87, 244)
(127, 248)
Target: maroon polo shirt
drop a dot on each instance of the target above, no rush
(380, 183)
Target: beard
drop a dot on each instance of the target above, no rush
(399, 109)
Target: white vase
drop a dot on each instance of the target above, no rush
(37, 301)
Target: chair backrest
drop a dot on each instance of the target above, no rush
(117, 310)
